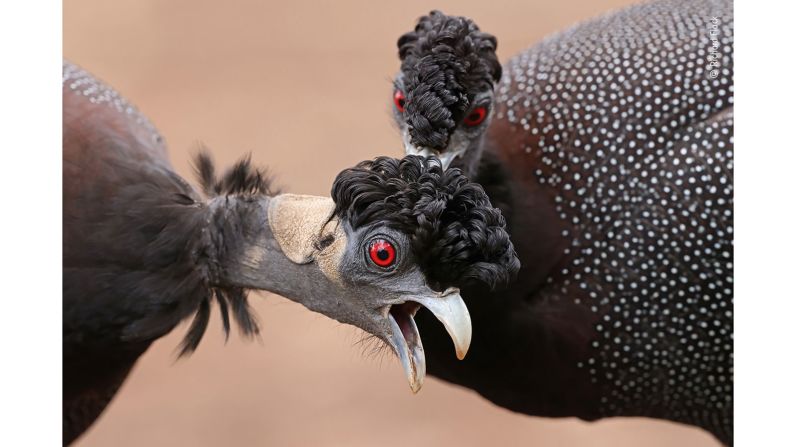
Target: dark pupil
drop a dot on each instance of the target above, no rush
(401, 102)
(382, 254)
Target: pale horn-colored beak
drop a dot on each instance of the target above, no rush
(449, 308)
(446, 157)
(421, 151)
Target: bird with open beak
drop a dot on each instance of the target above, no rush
(143, 250)
(368, 256)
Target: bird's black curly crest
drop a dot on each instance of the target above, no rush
(457, 237)
(444, 61)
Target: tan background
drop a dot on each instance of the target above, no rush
(305, 88)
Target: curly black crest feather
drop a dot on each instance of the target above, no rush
(444, 60)
(457, 237)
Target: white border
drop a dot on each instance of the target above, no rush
(30, 327)
(764, 224)
(30, 123)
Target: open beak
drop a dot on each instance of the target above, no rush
(296, 221)
(449, 308)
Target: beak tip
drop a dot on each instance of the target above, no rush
(450, 309)
(415, 381)
(462, 350)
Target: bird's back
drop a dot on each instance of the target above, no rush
(121, 256)
(616, 140)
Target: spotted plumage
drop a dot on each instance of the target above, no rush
(610, 151)
(143, 250)
(84, 84)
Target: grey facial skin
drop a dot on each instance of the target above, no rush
(292, 249)
(465, 145)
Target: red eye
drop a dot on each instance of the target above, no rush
(475, 117)
(382, 253)
(400, 100)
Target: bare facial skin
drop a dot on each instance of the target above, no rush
(382, 299)
(464, 146)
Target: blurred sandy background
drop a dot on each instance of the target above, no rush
(305, 87)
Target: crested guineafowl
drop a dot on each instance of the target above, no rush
(609, 149)
(142, 250)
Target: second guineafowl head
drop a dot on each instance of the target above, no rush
(444, 92)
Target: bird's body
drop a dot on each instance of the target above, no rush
(114, 162)
(610, 153)
(144, 251)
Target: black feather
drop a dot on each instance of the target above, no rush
(167, 229)
(223, 306)
(241, 310)
(205, 171)
(197, 329)
(241, 179)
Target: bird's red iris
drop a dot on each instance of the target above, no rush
(400, 100)
(475, 117)
(382, 253)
